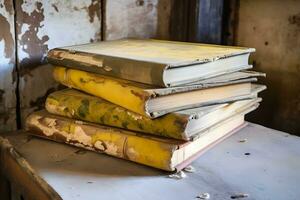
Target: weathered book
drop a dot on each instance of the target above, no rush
(184, 125)
(163, 153)
(155, 62)
(148, 101)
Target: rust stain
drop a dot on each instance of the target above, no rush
(139, 3)
(7, 37)
(94, 10)
(295, 19)
(8, 6)
(180, 122)
(139, 95)
(76, 8)
(95, 78)
(55, 7)
(29, 41)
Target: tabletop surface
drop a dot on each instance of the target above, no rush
(260, 162)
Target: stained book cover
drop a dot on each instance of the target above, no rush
(77, 105)
(162, 153)
(143, 61)
(131, 95)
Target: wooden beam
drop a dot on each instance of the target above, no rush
(206, 23)
(197, 21)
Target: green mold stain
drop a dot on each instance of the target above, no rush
(125, 124)
(83, 109)
(82, 80)
(101, 119)
(140, 126)
(116, 117)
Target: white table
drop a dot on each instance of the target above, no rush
(271, 171)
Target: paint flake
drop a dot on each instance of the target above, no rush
(189, 169)
(178, 175)
(98, 145)
(204, 196)
(81, 136)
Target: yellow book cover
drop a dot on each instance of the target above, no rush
(161, 153)
(151, 102)
(77, 105)
(155, 62)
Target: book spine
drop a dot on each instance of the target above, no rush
(129, 69)
(113, 90)
(80, 106)
(114, 142)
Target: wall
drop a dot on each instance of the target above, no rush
(7, 64)
(137, 19)
(273, 28)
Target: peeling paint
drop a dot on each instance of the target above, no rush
(94, 10)
(43, 25)
(8, 4)
(29, 41)
(111, 149)
(100, 146)
(131, 153)
(178, 175)
(7, 64)
(7, 37)
(150, 151)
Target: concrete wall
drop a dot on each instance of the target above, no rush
(273, 28)
(137, 19)
(7, 66)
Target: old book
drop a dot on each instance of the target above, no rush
(148, 101)
(234, 77)
(155, 62)
(184, 125)
(163, 153)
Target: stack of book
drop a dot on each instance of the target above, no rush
(157, 103)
